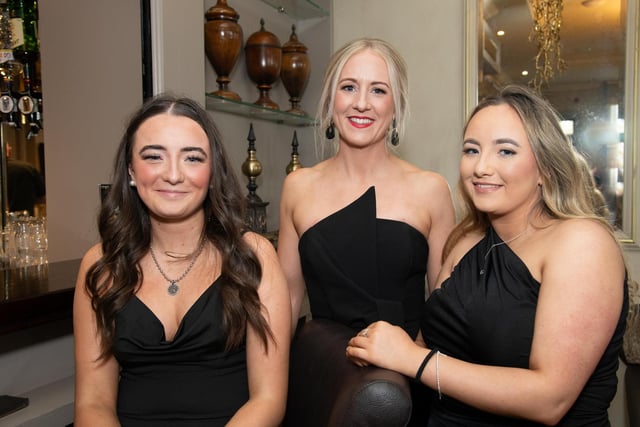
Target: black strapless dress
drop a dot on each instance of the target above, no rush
(485, 313)
(190, 381)
(359, 269)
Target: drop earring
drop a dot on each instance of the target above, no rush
(395, 139)
(330, 133)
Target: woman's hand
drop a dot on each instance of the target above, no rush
(381, 344)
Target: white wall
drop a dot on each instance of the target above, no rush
(91, 81)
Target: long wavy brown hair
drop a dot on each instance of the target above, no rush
(125, 232)
(568, 188)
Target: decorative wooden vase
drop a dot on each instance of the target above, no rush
(223, 44)
(295, 70)
(263, 55)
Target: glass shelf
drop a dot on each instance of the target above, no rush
(298, 9)
(257, 112)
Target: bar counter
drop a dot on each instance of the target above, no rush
(37, 295)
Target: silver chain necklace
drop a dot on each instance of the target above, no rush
(484, 267)
(173, 283)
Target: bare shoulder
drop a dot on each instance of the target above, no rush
(581, 235)
(90, 257)
(260, 245)
(93, 254)
(432, 192)
(582, 247)
(272, 281)
(300, 179)
(425, 180)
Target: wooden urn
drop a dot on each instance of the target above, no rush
(295, 70)
(263, 55)
(223, 44)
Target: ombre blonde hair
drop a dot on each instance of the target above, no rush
(568, 188)
(398, 78)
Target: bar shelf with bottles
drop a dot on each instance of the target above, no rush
(21, 152)
(21, 97)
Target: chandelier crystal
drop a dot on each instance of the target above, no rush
(547, 21)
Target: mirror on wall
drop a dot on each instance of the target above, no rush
(25, 170)
(588, 71)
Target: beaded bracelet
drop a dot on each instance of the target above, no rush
(424, 364)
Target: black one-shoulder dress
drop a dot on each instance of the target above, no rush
(485, 313)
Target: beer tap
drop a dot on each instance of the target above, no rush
(8, 102)
(27, 103)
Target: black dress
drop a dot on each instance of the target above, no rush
(485, 313)
(190, 381)
(359, 269)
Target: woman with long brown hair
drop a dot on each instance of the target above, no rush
(181, 315)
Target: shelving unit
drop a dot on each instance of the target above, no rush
(298, 9)
(245, 109)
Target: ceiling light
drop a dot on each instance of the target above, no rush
(500, 33)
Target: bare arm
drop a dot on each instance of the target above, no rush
(442, 214)
(288, 251)
(96, 381)
(267, 368)
(568, 342)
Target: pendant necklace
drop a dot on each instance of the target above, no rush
(482, 270)
(173, 283)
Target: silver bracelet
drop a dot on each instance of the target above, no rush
(438, 374)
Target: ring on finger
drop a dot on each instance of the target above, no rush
(364, 332)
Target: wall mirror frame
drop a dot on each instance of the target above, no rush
(628, 211)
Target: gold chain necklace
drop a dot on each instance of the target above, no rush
(173, 283)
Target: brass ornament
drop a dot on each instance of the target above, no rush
(256, 218)
(294, 164)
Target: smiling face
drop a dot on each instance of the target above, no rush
(363, 106)
(171, 166)
(498, 168)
